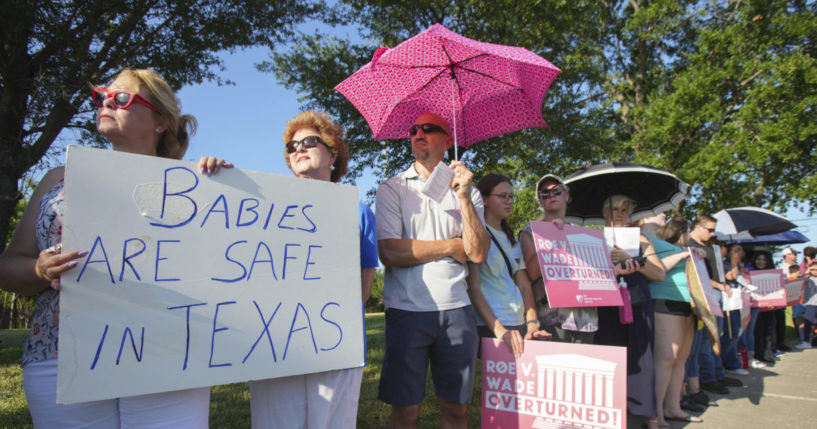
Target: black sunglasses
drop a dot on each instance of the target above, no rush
(556, 191)
(307, 142)
(427, 129)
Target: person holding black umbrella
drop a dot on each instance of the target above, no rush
(637, 336)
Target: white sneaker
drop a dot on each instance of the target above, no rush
(739, 371)
(754, 363)
(803, 345)
(779, 353)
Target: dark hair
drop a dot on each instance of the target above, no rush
(673, 230)
(766, 256)
(811, 252)
(487, 184)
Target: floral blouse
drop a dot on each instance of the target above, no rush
(41, 343)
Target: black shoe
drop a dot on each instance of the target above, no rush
(689, 404)
(715, 387)
(784, 348)
(699, 397)
(731, 382)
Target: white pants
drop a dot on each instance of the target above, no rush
(312, 401)
(180, 409)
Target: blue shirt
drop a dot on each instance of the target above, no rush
(368, 238)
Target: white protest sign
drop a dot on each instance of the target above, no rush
(626, 239)
(734, 302)
(438, 183)
(194, 281)
(719, 263)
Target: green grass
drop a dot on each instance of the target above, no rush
(13, 409)
(229, 404)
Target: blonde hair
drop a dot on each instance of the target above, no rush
(330, 132)
(617, 201)
(175, 138)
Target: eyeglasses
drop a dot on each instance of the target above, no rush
(427, 129)
(712, 230)
(306, 143)
(122, 99)
(554, 192)
(505, 196)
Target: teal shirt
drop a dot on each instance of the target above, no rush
(674, 287)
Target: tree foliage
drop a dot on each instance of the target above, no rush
(53, 51)
(721, 93)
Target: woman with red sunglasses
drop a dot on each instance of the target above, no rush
(138, 113)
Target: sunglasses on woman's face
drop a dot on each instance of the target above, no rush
(554, 192)
(427, 129)
(122, 99)
(306, 143)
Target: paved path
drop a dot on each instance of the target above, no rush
(777, 397)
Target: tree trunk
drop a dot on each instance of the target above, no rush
(9, 195)
(5, 323)
(14, 312)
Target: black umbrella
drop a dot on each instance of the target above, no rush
(654, 191)
(754, 220)
(785, 237)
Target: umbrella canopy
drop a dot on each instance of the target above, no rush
(785, 237)
(754, 220)
(654, 191)
(482, 90)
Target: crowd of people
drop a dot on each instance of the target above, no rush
(455, 272)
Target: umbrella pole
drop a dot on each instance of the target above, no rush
(454, 114)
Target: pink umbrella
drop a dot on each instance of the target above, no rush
(482, 90)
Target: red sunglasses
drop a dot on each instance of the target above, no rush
(122, 99)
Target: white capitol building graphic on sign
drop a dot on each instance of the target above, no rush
(578, 380)
(766, 283)
(592, 251)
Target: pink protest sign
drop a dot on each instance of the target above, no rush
(794, 290)
(770, 291)
(554, 385)
(575, 265)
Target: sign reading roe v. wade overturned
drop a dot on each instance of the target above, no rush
(553, 385)
(193, 281)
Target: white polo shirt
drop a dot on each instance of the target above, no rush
(402, 212)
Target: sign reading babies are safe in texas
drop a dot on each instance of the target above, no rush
(576, 266)
(193, 281)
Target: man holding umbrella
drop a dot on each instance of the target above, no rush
(424, 244)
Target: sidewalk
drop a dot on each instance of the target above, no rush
(778, 397)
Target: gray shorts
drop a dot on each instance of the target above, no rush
(447, 339)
